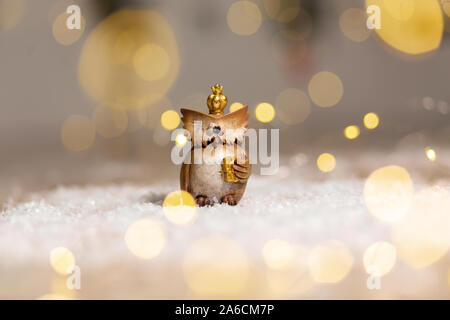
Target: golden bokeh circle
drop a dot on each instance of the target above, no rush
(264, 112)
(351, 132)
(151, 62)
(170, 119)
(380, 258)
(326, 162)
(130, 60)
(410, 26)
(78, 133)
(180, 207)
(371, 120)
(244, 18)
(388, 193)
(145, 238)
(62, 260)
(422, 237)
(236, 106)
(325, 89)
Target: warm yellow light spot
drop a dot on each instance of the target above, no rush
(326, 162)
(351, 132)
(180, 207)
(124, 46)
(278, 254)
(431, 154)
(293, 106)
(130, 60)
(379, 258)
(371, 120)
(330, 262)
(216, 266)
(145, 238)
(265, 112)
(170, 119)
(244, 18)
(62, 260)
(272, 7)
(64, 35)
(181, 140)
(78, 133)
(422, 237)
(151, 62)
(388, 193)
(410, 26)
(400, 9)
(325, 89)
(11, 12)
(110, 122)
(236, 106)
(353, 24)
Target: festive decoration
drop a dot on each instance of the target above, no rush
(218, 167)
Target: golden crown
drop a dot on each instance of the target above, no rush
(217, 101)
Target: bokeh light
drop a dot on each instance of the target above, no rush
(216, 266)
(181, 140)
(388, 193)
(264, 112)
(351, 132)
(64, 35)
(53, 296)
(110, 122)
(422, 237)
(293, 106)
(170, 119)
(77, 133)
(410, 26)
(371, 120)
(130, 60)
(62, 260)
(59, 287)
(235, 106)
(326, 162)
(11, 13)
(145, 238)
(244, 18)
(278, 254)
(288, 14)
(330, 262)
(380, 258)
(325, 89)
(353, 24)
(180, 207)
(151, 62)
(431, 154)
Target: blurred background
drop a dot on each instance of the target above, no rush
(96, 106)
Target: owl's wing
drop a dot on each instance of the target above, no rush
(189, 116)
(235, 124)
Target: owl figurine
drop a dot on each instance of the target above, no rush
(218, 166)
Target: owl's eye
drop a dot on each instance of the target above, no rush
(216, 129)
